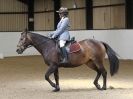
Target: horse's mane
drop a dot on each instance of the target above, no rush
(40, 39)
(38, 35)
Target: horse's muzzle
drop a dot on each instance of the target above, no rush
(19, 51)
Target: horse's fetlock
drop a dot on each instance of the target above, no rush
(46, 77)
(95, 83)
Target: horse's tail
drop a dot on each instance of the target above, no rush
(113, 59)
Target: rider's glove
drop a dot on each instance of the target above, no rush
(53, 36)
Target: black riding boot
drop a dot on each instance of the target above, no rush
(64, 54)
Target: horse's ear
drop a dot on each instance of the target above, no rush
(26, 31)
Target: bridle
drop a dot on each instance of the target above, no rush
(44, 41)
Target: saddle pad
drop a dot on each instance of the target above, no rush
(74, 47)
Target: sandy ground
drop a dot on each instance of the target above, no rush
(23, 78)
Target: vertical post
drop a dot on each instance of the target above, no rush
(129, 14)
(57, 4)
(31, 15)
(89, 14)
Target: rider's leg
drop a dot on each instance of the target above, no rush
(63, 51)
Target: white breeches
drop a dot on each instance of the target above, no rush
(62, 43)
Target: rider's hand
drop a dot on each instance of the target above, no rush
(53, 36)
(50, 35)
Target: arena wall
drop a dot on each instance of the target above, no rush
(119, 40)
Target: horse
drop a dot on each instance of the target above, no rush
(92, 54)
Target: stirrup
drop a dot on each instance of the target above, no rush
(64, 61)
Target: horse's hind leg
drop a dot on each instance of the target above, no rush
(104, 74)
(94, 67)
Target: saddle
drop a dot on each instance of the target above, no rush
(75, 47)
(72, 46)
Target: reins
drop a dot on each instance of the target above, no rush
(42, 42)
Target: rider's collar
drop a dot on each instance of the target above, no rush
(62, 18)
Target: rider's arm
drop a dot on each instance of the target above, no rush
(62, 28)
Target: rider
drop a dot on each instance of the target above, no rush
(62, 33)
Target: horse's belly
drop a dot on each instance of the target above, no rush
(70, 65)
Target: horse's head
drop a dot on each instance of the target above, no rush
(24, 42)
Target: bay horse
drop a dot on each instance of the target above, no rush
(92, 54)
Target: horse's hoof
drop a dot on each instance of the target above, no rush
(98, 87)
(56, 90)
(103, 88)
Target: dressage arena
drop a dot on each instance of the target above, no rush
(23, 78)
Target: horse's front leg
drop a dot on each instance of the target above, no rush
(56, 75)
(51, 70)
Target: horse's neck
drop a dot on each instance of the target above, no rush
(40, 42)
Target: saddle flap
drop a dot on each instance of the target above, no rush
(74, 47)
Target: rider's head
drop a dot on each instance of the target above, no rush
(63, 12)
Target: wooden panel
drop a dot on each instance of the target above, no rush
(101, 2)
(67, 3)
(77, 19)
(80, 3)
(118, 17)
(107, 2)
(70, 3)
(44, 21)
(117, 1)
(99, 18)
(109, 17)
(13, 22)
(44, 5)
(12, 6)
